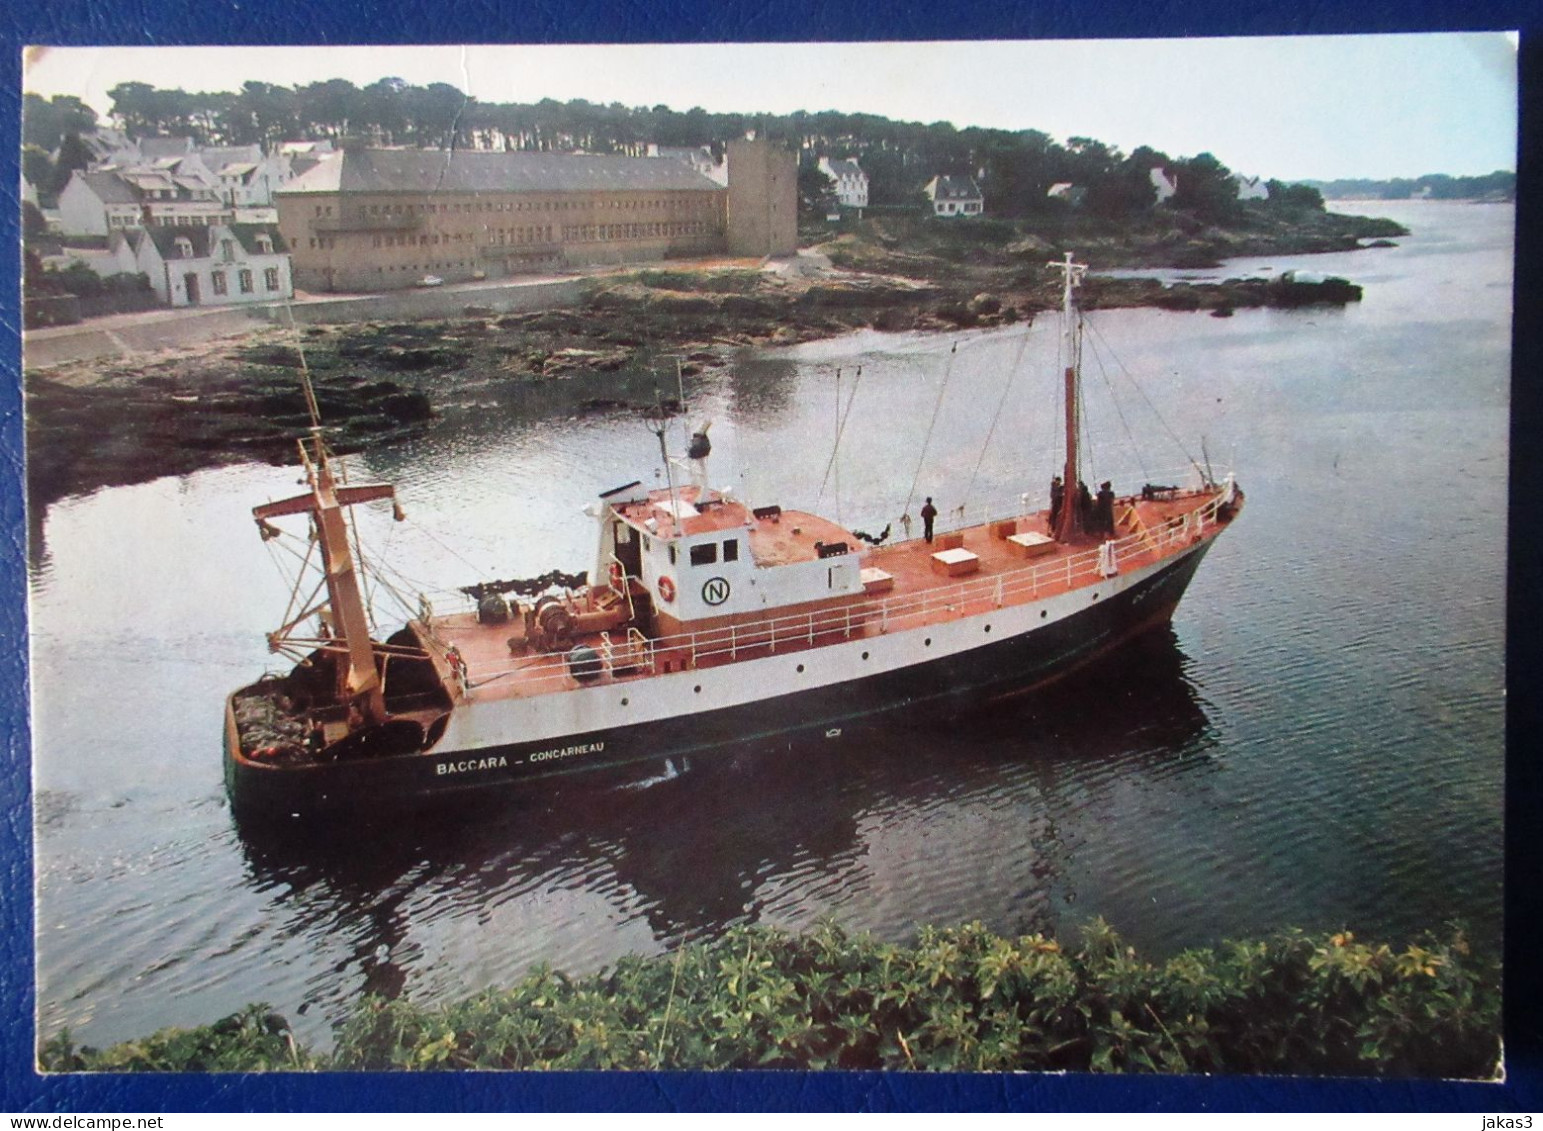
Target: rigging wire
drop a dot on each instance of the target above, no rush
(1012, 374)
(1120, 412)
(841, 426)
(937, 405)
(1126, 371)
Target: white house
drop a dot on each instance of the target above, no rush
(954, 196)
(851, 181)
(1165, 184)
(96, 203)
(211, 265)
(1067, 191)
(245, 175)
(118, 259)
(1251, 188)
(100, 201)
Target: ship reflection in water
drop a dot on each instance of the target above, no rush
(688, 851)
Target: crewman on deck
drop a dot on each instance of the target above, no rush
(929, 513)
(1103, 510)
(1057, 500)
(1084, 504)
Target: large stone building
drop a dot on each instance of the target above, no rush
(370, 220)
(378, 219)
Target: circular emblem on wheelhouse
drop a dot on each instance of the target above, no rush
(715, 590)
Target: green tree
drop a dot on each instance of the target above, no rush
(1206, 188)
(1290, 196)
(37, 167)
(73, 155)
(45, 122)
(816, 189)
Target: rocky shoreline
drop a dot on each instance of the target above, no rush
(100, 423)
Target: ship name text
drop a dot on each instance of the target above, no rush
(566, 752)
(471, 764)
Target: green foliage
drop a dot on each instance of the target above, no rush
(715, 282)
(1499, 185)
(1294, 196)
(46, 121)
(78, 279)
(73, 155)
(1205, 188)
(253, 1040)
(963, 999)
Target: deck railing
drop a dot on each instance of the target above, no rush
(1003, 508)
(799, 631)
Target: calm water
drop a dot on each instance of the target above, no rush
(1317, 742)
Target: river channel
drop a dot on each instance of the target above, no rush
(1317, 741)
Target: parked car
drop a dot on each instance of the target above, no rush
(431, 281)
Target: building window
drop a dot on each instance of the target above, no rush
(228, 250)
(218, 279)
(271, 278)
(184, 247)
(244, 278)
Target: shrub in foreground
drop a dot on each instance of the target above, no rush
(961, 999)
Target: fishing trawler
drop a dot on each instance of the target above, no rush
(707, 625)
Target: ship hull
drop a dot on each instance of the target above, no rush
(1014, 665)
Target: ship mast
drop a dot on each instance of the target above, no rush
(1070, 524)
(358, 682)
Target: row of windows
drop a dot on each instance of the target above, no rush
(244, 281)
(543, 234)
(630, 231)
(414, 268)
(518, 206)
(227, 248)
(525, 235)
(706, 553)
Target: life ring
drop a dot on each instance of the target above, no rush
(616, 576)
(667, 589)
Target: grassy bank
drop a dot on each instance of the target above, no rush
(963, 999)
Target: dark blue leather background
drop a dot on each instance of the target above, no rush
(160, 22)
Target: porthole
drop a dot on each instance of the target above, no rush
(697, 689)
(800, 668)
(1095, 596)
(865, 655)
(988, 628)
(927, 643)
(1043, 613)
(624, 701)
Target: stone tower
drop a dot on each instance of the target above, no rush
(763, 199)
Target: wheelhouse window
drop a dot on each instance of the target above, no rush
(731, 550)
(705, 554)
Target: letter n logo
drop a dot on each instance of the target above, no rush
(715, 591)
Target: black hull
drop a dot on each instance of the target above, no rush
(934, 689)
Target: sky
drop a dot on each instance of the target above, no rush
(1306, 107)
